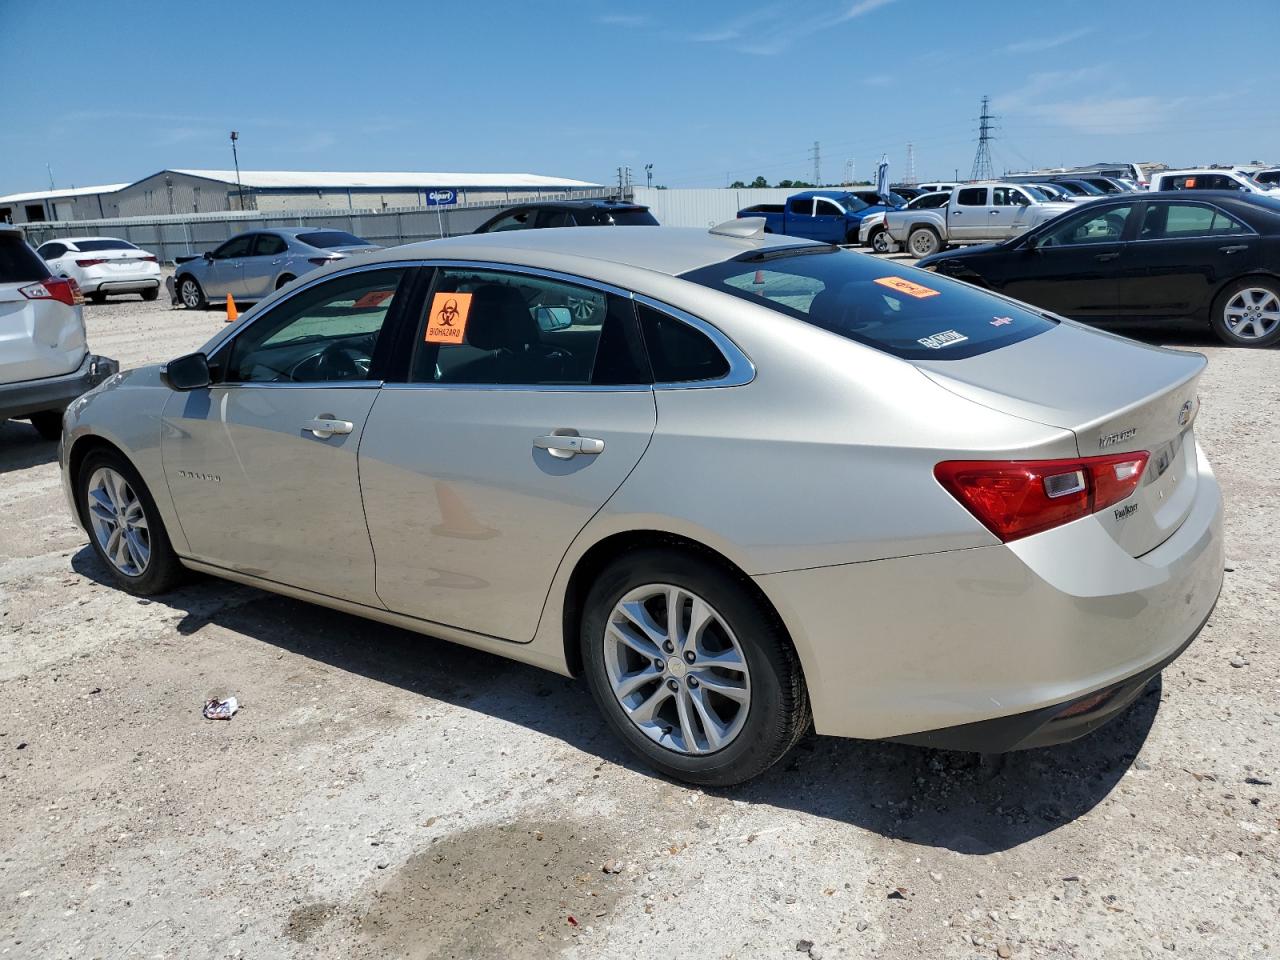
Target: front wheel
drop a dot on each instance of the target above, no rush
(691, 669)
(923, 241)
(125, 529)
(48, 424)
(881, 241)
(1247, 313)
(190, 294)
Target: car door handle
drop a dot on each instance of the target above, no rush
(1104, 257)
(324, 427)
(562, 446)
(995, 213)
(1234, 248)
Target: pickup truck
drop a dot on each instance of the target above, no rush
(976, 213)
(832, 216)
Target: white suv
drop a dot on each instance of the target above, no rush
(44, 361)
(1210, 179)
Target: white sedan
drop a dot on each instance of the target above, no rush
(103, 265)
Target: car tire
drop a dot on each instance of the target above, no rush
(880, 241)
(191, 294)
(161, 570)
(851, 238)
(150, 295)
(923, 241)
(1247, 313)
(769, 708)
(98, 298)
(287, 278)
(48, 424)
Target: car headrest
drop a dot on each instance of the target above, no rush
(500, 319)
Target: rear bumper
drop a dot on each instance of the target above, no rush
(54, 393)
(123, 286)
(984, 648)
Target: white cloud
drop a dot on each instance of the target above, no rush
(770, 30)
(1040, 44)
(622, 19)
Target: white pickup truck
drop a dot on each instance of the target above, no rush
(976, 213)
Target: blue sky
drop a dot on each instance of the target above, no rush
(702, 90)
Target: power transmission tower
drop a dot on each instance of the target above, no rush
(911, 166)
(817, 164)
(848, 172)
(982, 159)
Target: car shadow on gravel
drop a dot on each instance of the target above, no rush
(22, 448)
(934, 798)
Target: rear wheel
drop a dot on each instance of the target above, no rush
(151, 294)
(98, 298)
(287, 278)
(190, 294)
(124, 525)
(48, 424)
(691, 669)
(1247, 313)
(923, 241)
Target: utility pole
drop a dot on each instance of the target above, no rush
(982, 159)
(910, 179)
(235, 156)
(49, 167)
(817, 164)
(648, 174)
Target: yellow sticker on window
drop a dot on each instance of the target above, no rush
(907, 287)
(447, 321)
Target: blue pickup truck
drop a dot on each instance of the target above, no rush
(831, 216)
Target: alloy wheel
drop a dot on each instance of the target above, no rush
(190, 294)
(880, 242)
(1252, 314)
(119, 522)
(676, 669)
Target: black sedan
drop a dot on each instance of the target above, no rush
(569, 213)
(1214, 257)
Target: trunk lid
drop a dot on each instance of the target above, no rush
(1116, 396)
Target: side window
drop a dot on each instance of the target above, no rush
(677, 352)
(800, 206)
(492, 327)
(973, 197)
(1008, 197)
(325, 333)
(1103, 226)
(555, 218)
(828, 209)
(1173, 221)
(520, 220)
(235, 247)
(269, 245)
(51, 251)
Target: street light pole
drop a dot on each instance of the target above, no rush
(648, 174)
(235, 156)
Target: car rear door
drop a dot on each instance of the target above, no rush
(526, 406)
(1182, 254)
(265, 262)
(262, 465)
(968, 214)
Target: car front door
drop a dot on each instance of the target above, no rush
(800, 219)
(1070, 265)
(967, 216)
(829, 222)
(262, 464)
(225, 273)
(1182, 253)
(265, 261)
(1007, 215)
(526, 407)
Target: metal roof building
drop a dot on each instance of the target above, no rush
(210, 191)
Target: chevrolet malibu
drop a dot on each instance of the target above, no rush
(744, 485)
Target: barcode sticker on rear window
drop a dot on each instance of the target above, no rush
(946, 338)
(906, 286)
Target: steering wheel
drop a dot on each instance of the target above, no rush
(337, 362)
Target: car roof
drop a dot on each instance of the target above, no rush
(82, 239)
(578, 205)
(665, 250)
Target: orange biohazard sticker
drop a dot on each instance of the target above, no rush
(374, 298)
(1191, 183)
(907, 287)
(448, 318)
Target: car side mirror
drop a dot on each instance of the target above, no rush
(208, 255)
(187, 373)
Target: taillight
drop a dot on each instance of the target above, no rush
(90, 262)
(321, 261)
(55, 288)
(1016, 498)
(149, 259)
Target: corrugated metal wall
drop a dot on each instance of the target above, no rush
(705, 207)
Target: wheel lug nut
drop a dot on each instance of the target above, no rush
(688, 656)
(673, 684)
(669, 647)
(659, 663)
(693, 681)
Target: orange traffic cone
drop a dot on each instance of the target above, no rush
(232, 312)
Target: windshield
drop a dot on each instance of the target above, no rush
(87, 246)
(903, 312)
(327, 239)
(1036, 193)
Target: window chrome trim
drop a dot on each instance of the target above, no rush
(1199, 236)
(303, 385)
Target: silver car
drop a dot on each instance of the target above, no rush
(743, 484)
(253, 265)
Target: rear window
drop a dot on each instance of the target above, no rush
(332, 238)
(18, 262)
(87, 246)
(907, 313)
(635, 217)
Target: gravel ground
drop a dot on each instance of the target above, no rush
(383, 794)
